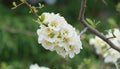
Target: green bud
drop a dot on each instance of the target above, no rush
(112, 31)
(112, 21)
(42, 17)
(14, 4)
(40, 5)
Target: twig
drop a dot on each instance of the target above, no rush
(33, 10)
(83, 31)
(91, 29)
(18, 5)
(112, 36)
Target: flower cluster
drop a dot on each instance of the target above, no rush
(55, 34)
(36, 66)
(102, 48)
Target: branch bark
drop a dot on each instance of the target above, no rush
(93, 30)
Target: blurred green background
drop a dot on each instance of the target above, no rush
(19, 47)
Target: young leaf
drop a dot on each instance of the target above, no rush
(91, 22)
(98, 22)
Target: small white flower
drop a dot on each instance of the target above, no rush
(115, 40)
(36, 66)
(61, 51)
(55, 34)
(112, 56)
(99, 45)
(97, 41)
(102, 48)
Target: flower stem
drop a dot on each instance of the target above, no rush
(116, 65)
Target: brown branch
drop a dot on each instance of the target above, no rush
(112, 36)
(93, 30)
(33, 10)
(29, 5)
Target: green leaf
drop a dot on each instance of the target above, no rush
(91, 22)
(98, 22)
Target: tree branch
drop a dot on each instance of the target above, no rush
(93, 30)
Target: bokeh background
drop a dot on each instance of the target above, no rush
(19, 47)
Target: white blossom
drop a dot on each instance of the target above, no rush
(116, 33)
(36, 66)
(55, 34)
(112, 56)
(102, 48)
(99, 45)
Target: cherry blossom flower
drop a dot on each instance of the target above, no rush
(55, 34)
